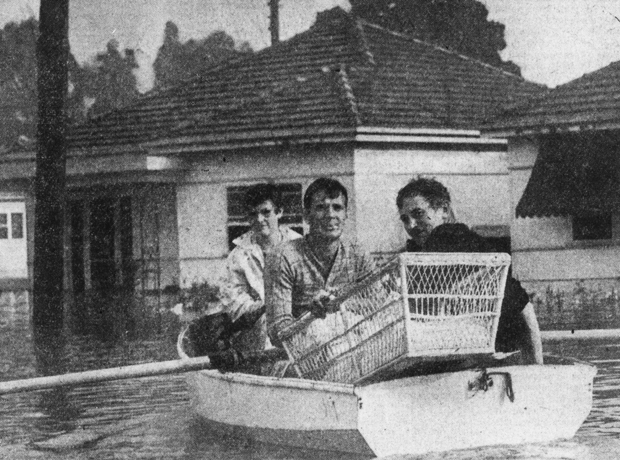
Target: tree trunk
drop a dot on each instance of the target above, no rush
(52, 57)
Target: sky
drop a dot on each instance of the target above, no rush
(553, 41)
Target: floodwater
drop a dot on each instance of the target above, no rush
(149, 418)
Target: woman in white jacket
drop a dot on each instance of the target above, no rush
(243, 295)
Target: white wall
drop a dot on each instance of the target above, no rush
(14, 252)
(544, 253)
(477, 181)
(551, 266)
(201, 199)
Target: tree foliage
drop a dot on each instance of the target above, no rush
(105, 84)
(461, 26)
(18, 82)
(177, 61)
(109, 80)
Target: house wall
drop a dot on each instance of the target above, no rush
(201, 198)
(543, 248)
(154, 231)
(477, 181)
(554, 269)
(15, 253)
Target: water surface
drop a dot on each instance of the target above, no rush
(150, 418)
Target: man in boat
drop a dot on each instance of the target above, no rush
(302, 275)
(426, 212)
(241, 322)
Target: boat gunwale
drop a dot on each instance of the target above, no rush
(333, 387)
(284, 382)
(346, 388)
(267, 381)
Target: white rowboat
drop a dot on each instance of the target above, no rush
(511, 404)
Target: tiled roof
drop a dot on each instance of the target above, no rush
(339, 75)
(591, 101)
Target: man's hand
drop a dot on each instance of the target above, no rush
(273, 331)
(321, 304)
(531, 342)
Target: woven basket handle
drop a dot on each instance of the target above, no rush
(361, 283)
(340, 295)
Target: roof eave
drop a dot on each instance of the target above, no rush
(261, 138)
(272, 138)
(418, 131)
(425, 136)
(518, 131)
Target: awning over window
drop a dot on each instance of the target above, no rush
(574, 174)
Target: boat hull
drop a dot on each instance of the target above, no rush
(504, 405)
(292, 412)
(415, 415)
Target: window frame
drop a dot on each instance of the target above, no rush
(5, 225)
(236, 218)
(20, 236)
(580, 233)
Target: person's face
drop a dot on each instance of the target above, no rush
(264, 218)
(326, 216)
(419, 218)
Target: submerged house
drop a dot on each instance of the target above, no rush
(564, 161)
(155, 189)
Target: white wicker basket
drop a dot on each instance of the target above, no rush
(417, 307)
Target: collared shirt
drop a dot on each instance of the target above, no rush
(244, 290)
(294, 276)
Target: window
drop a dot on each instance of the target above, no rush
(17, 225)
(237, 218)
(4, 227)
(497, 236)
(592, 227)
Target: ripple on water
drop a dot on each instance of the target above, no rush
(150, 417)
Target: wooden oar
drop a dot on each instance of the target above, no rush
(225, 360)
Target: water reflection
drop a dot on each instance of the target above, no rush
(604, 420)
(99, 335)
(59, 411)
(151, 417)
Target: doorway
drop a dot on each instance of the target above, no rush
(101, 245)
(102, 249)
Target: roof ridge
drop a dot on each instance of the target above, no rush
(227, 64)
(348, 92)
(587, 75)
(445, 50)
(239, 59)
(364, 42)
(208, 72)
(530, 102)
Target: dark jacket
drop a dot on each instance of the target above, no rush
(459, 238)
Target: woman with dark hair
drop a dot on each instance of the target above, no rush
(243, 295)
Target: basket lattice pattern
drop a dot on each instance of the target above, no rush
(431, 306)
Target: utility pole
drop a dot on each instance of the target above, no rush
(52, 56)
(274, 21)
